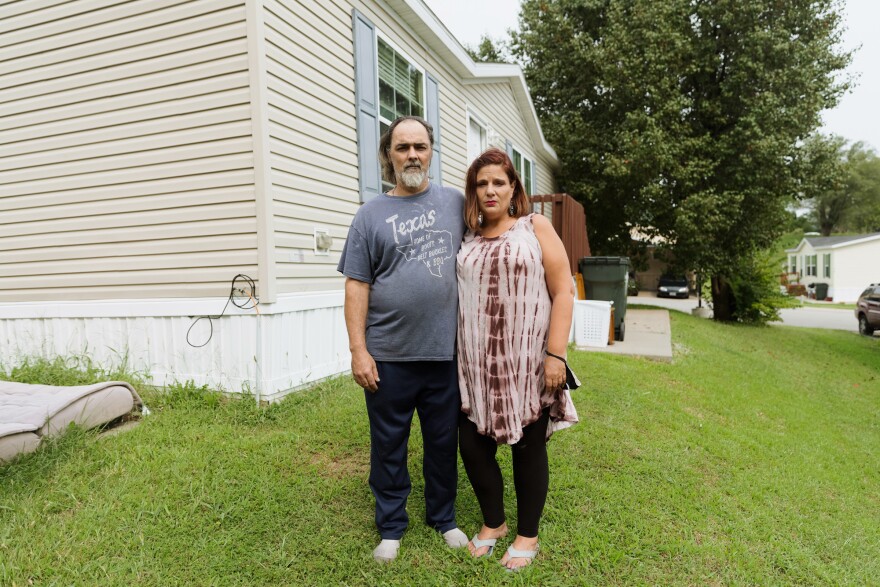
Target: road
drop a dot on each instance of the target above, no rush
(830, 318)
(807, 317)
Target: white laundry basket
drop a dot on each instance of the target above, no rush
(591, 322)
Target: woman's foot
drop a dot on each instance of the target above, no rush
(526, 546)
(486, 533)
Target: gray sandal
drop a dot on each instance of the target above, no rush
(490, 542)
(514, 553)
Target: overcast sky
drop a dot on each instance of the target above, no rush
(857, 118)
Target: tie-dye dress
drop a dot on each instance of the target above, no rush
(503, 320)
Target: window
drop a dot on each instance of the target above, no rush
(477, 138)
(526, 169)
(388, 84)
(826, 265)
(401, 89)
(792, 264)
(810, 261)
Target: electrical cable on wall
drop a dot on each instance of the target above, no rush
(242, 297)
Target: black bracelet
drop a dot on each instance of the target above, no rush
(557, 357)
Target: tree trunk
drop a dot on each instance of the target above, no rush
(723, 301)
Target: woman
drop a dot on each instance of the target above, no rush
(515, 304)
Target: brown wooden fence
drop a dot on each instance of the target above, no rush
(570, 222)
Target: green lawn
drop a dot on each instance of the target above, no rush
(751, 459)
(832, 305)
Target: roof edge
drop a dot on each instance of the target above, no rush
(856, 241)
(867, 238)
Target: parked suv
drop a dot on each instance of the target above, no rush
(672, 286)
(868, 310)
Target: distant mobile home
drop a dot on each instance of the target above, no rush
(847, 264)
(152, 150)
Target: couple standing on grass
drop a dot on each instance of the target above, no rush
(458, 308)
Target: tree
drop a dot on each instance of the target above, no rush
(864, 184)
(489, 51)
(682, 118)
(841, 185)
(824, 175)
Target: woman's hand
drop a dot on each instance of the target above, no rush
(554, 373)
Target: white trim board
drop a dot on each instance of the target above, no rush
(165, 307)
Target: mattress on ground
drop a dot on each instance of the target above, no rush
(12, 445)
(29, 412)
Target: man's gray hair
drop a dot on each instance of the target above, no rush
(385, 146)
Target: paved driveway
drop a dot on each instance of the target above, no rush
(807, 317)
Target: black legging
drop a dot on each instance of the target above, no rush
(531, 475)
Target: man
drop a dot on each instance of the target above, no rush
(401, 312)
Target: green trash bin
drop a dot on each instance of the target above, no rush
(821, 291)
(607, 278)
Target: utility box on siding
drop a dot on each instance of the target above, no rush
(568, 218)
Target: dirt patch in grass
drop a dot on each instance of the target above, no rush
(340, 466)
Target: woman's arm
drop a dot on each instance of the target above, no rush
(559, 285)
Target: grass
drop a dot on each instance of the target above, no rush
(832, 305)
(751, 459)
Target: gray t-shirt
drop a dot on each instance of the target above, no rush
(405, 247)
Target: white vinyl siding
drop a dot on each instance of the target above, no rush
(854, 267)
(496, 103)
(131, 129)
(126, 166)
(312, 138)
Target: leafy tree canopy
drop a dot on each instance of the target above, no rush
(682, 118)
(824, 174)
(840, 185)
(489, 51)
(863, 182)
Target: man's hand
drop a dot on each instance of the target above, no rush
(554, 373)
(363, 369)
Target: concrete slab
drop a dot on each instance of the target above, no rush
(648, 334)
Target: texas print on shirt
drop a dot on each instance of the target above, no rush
(416, 242)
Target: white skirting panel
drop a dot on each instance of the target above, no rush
(297, 341)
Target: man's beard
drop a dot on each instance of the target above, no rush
(412, 176)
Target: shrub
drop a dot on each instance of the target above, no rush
(755, 284)
(756, 289)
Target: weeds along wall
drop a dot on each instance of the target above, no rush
(288, 345)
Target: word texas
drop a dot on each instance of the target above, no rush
(409, 226)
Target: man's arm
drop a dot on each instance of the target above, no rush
(357, 300)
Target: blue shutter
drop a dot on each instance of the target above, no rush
(432, 115)
(366, 94)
